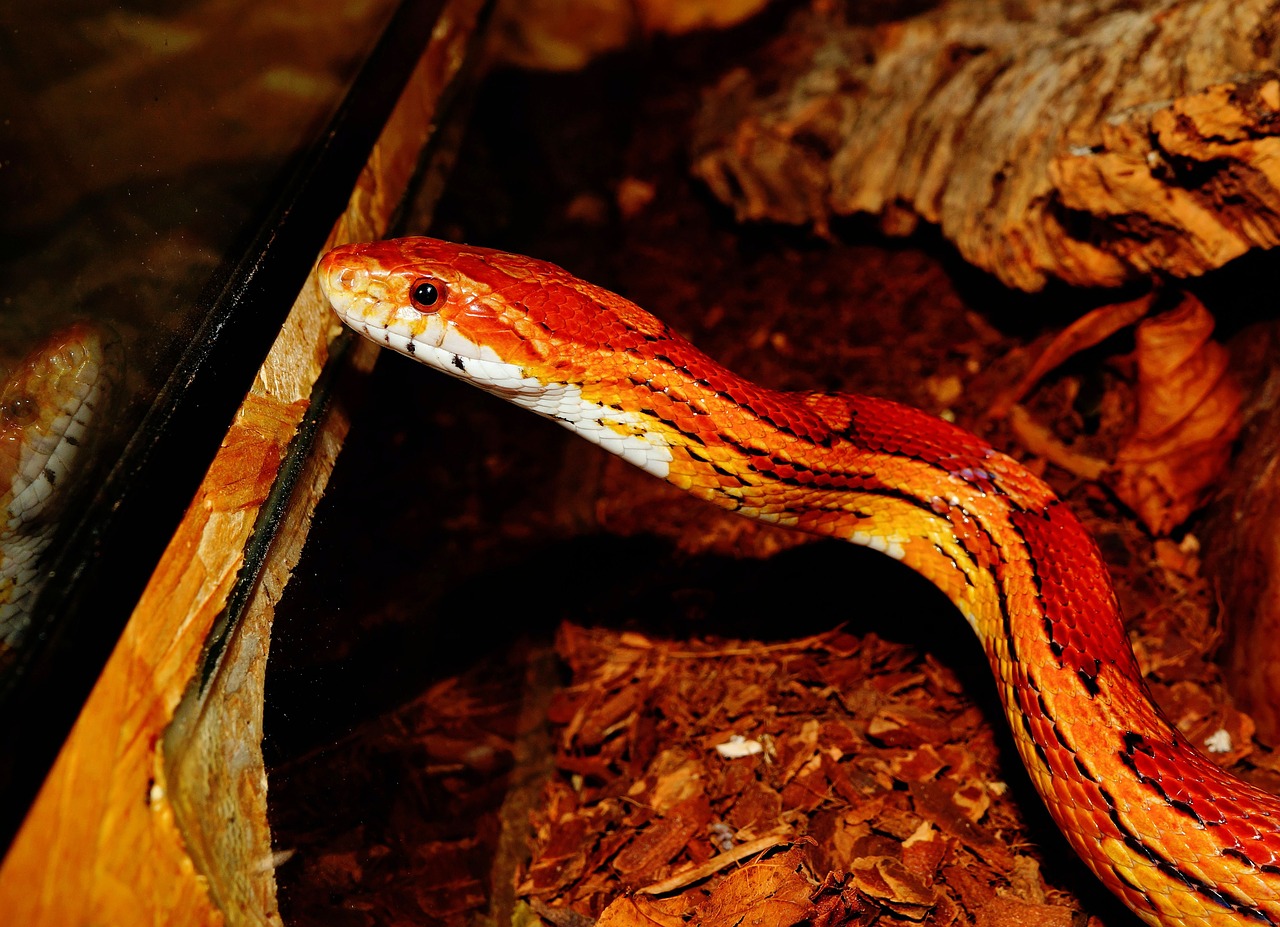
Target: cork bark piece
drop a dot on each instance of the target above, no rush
(1092, 142)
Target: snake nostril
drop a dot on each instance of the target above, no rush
(353, 279)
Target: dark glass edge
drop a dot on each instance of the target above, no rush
(101, 573)
(271, 514)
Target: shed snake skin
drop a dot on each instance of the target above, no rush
(1178, 839)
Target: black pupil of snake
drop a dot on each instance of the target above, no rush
(425, 294)
(22, 410)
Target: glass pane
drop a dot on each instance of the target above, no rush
(144, 149)
(139, 142)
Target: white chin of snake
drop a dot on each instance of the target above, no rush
(440, 345)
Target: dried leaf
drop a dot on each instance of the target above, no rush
(1188, 416)
(924, 856)
(715, 864)
(835, 905)
(664, 838)
(973, 799)
(772, 891)
(887, 880)
(941, 807)
(1040, 440)
(639, 911)
(1090, 329)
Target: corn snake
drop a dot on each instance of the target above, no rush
(1178, 839)
(47, 405)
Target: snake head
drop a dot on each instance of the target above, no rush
(519, 328)
(507, 323)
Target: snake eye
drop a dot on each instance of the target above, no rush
(426, 293)
(22, 410)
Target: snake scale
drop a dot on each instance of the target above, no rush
(1179, 840)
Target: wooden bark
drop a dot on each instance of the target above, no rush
(1087, 140)
(155, 810)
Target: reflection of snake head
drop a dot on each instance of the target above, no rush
(47, 404)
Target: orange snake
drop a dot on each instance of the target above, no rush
(1178, 839)
(46, 404)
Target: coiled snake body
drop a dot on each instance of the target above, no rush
(1178, 839)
